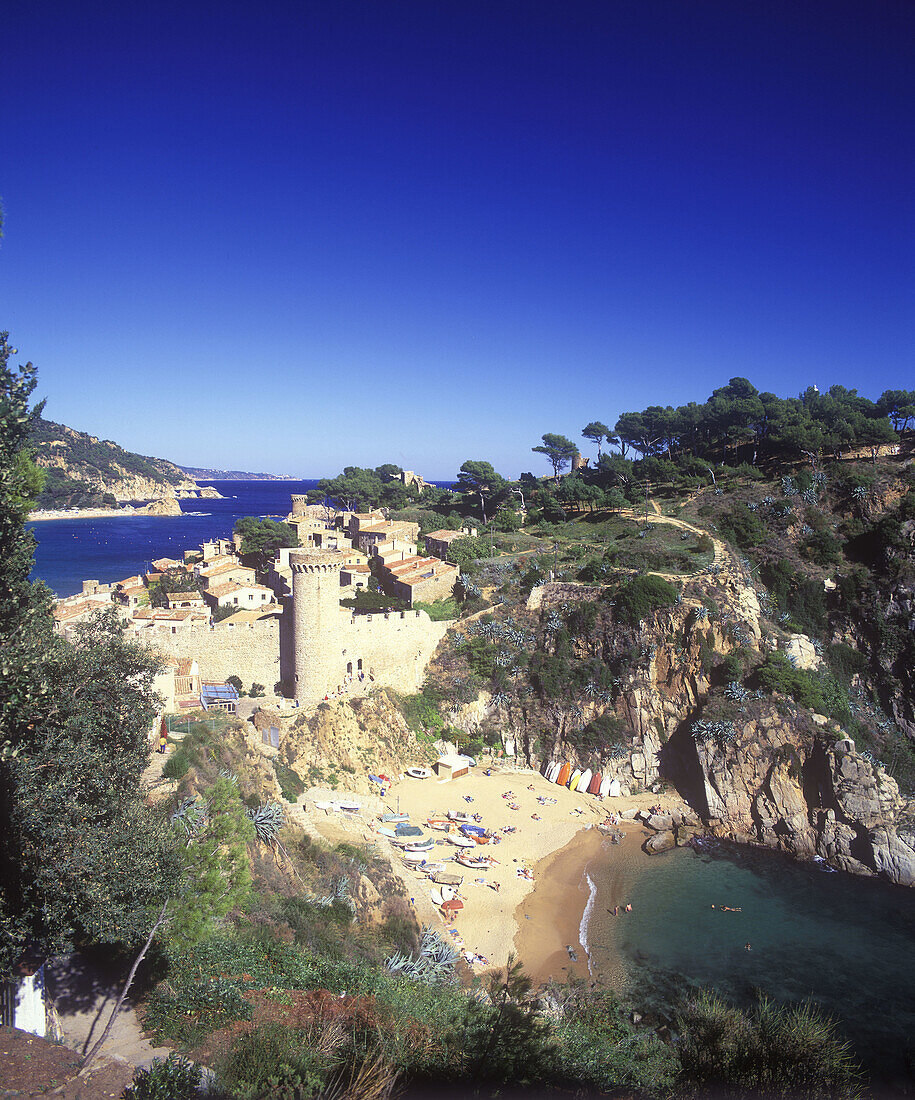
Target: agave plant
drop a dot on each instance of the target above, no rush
(433, 964)
(190, 816)
(736, 691)
(267, 821)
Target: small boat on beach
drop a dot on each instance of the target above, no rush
(613, 791)
(605, 786)
(460, 817)
(562, 776)
(594, 785)
(387, 832)
(350, 807)
(461, 841)
(440, 824)
(424, 845)
(413, 857)
(418, 773)
(583, 780)
(446, 879)
(573, 779)
(395, 818)
(553, 772)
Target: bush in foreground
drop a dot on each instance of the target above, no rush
(770, 1051)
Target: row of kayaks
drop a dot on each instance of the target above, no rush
(585, 782)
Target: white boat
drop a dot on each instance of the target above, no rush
(421, 846)
(418, 773)
(350, 807)
(584, 781)
(394, 818)
(461, 841)
(555, 770)
(460, 816)
(413, 857)
(437, 898)
(447, 892)
(387, 832)
(605, 786)
(614, 789)
(325, 805)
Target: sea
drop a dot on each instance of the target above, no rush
(69, 551)
(844, 942)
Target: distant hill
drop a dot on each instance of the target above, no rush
(198, 473)
(82, 471)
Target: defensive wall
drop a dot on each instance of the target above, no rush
(250, 651)
(333, 646)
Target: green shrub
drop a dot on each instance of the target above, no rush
(290, 782)
(422, 712)
(171, 1079)
(743, 527)
(770, 1051)
(440, 611)
(642, 596)
(272, 1060)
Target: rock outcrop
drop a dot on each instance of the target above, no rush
(351, 739)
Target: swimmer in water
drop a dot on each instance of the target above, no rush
(749, 948)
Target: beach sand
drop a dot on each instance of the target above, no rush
(557, 848)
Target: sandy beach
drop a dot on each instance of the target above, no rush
(86, 513)
(537, 919)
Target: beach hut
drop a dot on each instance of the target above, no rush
(563, 774)
(583, 781)
(574, 778)
(451, 767)
(594, 785)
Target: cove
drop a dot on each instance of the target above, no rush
(846, 943)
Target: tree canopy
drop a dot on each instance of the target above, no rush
(559, 451)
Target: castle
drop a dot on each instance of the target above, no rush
(303, 642)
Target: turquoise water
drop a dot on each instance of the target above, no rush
(844, 942)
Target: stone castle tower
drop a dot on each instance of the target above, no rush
(299, 504)
(333, 647)
(317, 616)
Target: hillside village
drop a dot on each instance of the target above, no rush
(222, 621)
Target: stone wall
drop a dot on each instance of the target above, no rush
(250, 651)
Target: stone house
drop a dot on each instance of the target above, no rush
(170, 622)
(419, 579)
(224, 571)
(178, 600)
(438, 543)
(233, 594)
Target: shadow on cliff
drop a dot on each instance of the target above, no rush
(678, 763)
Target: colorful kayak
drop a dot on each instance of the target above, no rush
(583, 781)
(594, 785)
(563, 774)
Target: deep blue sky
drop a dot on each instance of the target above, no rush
(292, 237)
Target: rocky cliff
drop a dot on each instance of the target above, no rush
(346, 741)
(755, 765)
(80, 467)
